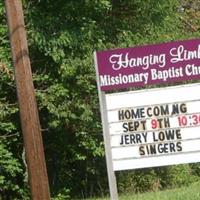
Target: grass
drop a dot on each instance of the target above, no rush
(192, 192)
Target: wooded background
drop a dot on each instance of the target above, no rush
(62, 36)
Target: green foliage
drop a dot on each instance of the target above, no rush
(63, 195)
(157, 178)
(184, 193)
(138, 181)
(10, 171)
(175, 176)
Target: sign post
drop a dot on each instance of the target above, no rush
(38, 178)
(104, 118)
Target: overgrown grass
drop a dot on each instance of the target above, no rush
(192, 192)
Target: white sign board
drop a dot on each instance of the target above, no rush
(154, 127)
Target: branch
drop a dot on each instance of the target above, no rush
(189, 24)
(7, 71)
(7, 136)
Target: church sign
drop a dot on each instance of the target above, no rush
(149, 127)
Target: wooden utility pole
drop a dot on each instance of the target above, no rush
(38, 178)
